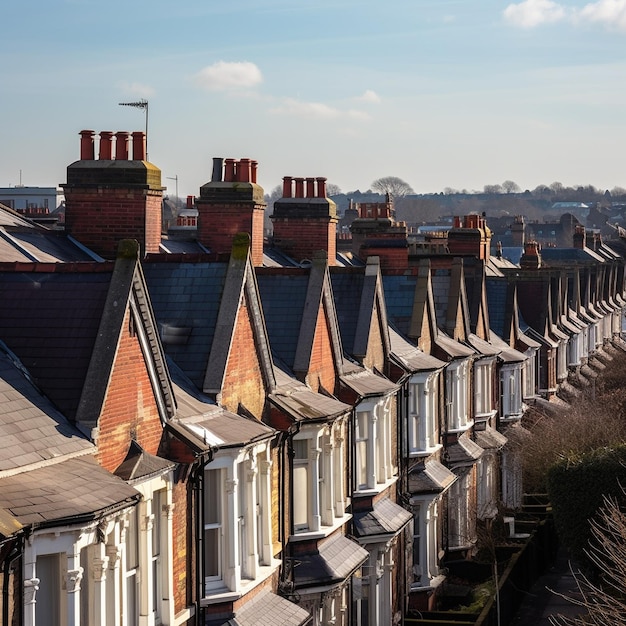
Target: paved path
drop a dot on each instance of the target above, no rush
(543, 602)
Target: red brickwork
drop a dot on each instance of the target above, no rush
(322, 364)
(101, 217)
(243, 382)
(390, 258)
(219, 223)
(130, 409)
(183, 561)
(302, 238)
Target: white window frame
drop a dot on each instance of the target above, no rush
(423, 414)
(457, 392)
(511, 385)
(319, 452)
(461, 533)
(487, 484)
(245, 527)
(529, 374)
(483, 393)
(374, 469)
(426, 533)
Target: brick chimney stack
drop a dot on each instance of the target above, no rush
(518, 231)
(470, 236)
(231, 203)
(531, 259)
(305, 220)
(376, 233)
(580, 237)
(109, 199)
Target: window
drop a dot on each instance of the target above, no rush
(482, 389)
(158, 500)
(511, 391)
(319, 475)
(213, 520)
(131, 578)
(372, 443)
(425, 540)
(237, 518)
(423, 418)
(457, 393)
(529, 373)
(487, 500)
(461, 531)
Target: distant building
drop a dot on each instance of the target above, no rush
(37, 203)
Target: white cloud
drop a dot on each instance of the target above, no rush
(316, 110)
(610, 13)
(369, 96)
(532, 13)
(137, 89)
(225, 76)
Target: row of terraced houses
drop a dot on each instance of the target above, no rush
(236, 430)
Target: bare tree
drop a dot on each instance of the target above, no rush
(510, 186)
(332, 189)
(393, 185)
(492, 189)
(603, 602)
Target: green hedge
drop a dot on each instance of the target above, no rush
(577, 486)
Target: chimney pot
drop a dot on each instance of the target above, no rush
(121, 146)
(243, 171)
(87, 152)
(106, 139)
(229, 170)
(254, 165)
(190, 201)
(287, 186)
(310, 187)
(299, 187)
(139, 145)
(321, 186)
(218, 166)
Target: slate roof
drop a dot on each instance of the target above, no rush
(497, 291)
(366, 383)
(207, 425)
(385, 518)
(271, 610)
(283, 296)
(347, 290)
(463, 451)
(430, 477)
(185, 298)
(483, 347)
(73, 489)
(23, 240)
(297, 400)
(490, 439)
(399, 296)
(50, 320)
(558, 256)
(141, 465)
(334, 561)
(31, 430)
(410, 357)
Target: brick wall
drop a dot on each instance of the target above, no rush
(130, 409)
(183, 560)
(100, 217)
(322, 364)
(219, 223)
(302, 238)
(243, 381)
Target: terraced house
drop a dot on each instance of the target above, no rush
(231, 428)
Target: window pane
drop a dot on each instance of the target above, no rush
(132, 552)
(212, 552)
(301, 496)
(212, 497)
(300, 448)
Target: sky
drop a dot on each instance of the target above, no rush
(442, 93)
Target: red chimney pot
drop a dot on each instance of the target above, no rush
(287, 186)
(139, 145)
(106, 139)
(87, 152)
(121, 145)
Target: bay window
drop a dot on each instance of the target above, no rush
(483, 404)
(423, 414)
(457, 395)
(511, 384)
(237, 518)
(373, 443)
(319, 499)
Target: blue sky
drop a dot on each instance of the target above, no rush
(442, 93)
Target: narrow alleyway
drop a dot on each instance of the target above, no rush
(546, 596)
